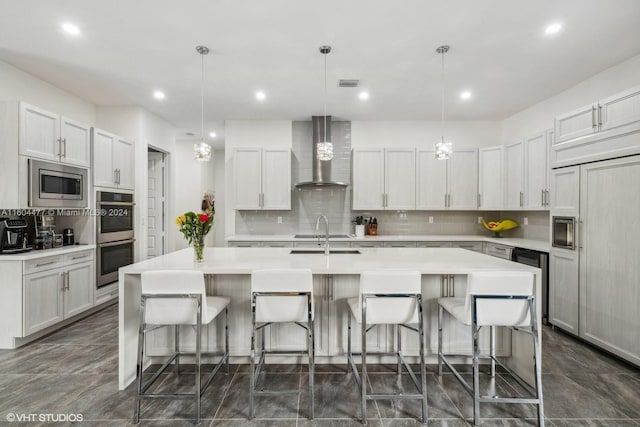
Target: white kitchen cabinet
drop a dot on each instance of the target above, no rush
(384, 179)
(243, 244)
(490, 177)
(50, 136)
(447, 184)
(563, 290)
(619, 110)
(399, 244)
(565, 192)
(262, 178)
(536, 171)
(514, 165)
(57, 288)
(609, 252)
(367, 244)
(471, 246)
(113, 161)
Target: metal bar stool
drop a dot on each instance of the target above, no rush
(389, 297)
(175, 298)
(277, 296)
(495, 298)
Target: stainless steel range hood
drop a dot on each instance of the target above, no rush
(321, 168)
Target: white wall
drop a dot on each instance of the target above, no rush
(423, 133)
(540, 116)
(19, 85)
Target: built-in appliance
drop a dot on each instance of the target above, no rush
(115, 216)
(13, 236)
(114, 235)
(53, 185)
(539, 260)
(562, 232)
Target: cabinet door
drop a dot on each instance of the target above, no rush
(563, 290)
(76, 142)
(431, 181)
(400, 177)
(620, 109)
(609, 254)
(565, 191)
(514, 159)
(368, 179)
(81, 283)
(123, 161)
(39, 133)
(276, 179)
(576, 123)
(490, 178)
(43, 302)
(536, 171)
(247, 178)
(103, 168)
(463, 179)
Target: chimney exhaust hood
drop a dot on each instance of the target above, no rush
(321, 168)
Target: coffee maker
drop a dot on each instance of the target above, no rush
(13, 236)
(45, 231)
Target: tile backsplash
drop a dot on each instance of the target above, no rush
(334, 202)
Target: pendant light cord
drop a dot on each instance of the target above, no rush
(442, 100)
(202, 101)
(324, 119)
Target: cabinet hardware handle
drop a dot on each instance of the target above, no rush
(599, 116)
(45, 263)
(593, 117)
(445, 200)
(521, 199)
(59, 141)
(452, 285)
(444, 288)
(448, 200)
(63, 282)
(479, 204)
(64, 144)
(542, 197)
(546, 197)
(80, 256)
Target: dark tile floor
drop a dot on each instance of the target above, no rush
(74, 371)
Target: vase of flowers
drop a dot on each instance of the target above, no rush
(194, 227)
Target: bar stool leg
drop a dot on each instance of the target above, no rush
(399, 335)
(177, 346)
(537, 361)
(423, 368)
(252, 355)
(348, 341)
(198, 360)
(226, 336)
(476, 376)
(312, 368)
(363, 394)
(136, 415)
(492, 333)
(440, 314)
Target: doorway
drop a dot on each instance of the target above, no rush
(156, 203)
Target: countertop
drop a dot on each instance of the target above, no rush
(220, 260)
(537, 245)
(25, 256)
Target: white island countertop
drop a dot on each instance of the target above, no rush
(219, 260)
(536, 245)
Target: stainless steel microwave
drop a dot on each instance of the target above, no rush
(54, 185)
(563, 232)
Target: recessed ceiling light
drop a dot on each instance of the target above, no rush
(212, 135)
(71, 29)
(363, 95)
(465, 95)
(261, 96)
(158, 94)
(553, 28)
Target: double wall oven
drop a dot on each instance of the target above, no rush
(115, 235)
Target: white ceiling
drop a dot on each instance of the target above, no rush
(498, 50)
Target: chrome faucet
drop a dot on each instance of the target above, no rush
(326, 232)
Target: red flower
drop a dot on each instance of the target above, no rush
(204, 218)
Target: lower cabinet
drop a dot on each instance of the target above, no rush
(51, 296)
(564, 308)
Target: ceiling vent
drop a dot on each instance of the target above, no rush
(349, 83)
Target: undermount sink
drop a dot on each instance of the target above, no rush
(321, 236)
(321, 251)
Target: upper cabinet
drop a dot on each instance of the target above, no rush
(490, 177)
(514, 166)
(384, 179)
(527, 172)
(447, 184)
(262, 178)
(113, 161)
(603, 129)
(50, 136)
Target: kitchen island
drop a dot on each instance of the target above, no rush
(336, 278)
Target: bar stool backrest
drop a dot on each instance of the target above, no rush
(172, 311)
(500, 311)
(282, 308)
(390, 310)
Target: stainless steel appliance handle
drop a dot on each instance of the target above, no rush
(118, 243)
(115, 204)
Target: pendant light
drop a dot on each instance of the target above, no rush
(202, 150)
(325, 147)
(442, 148)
